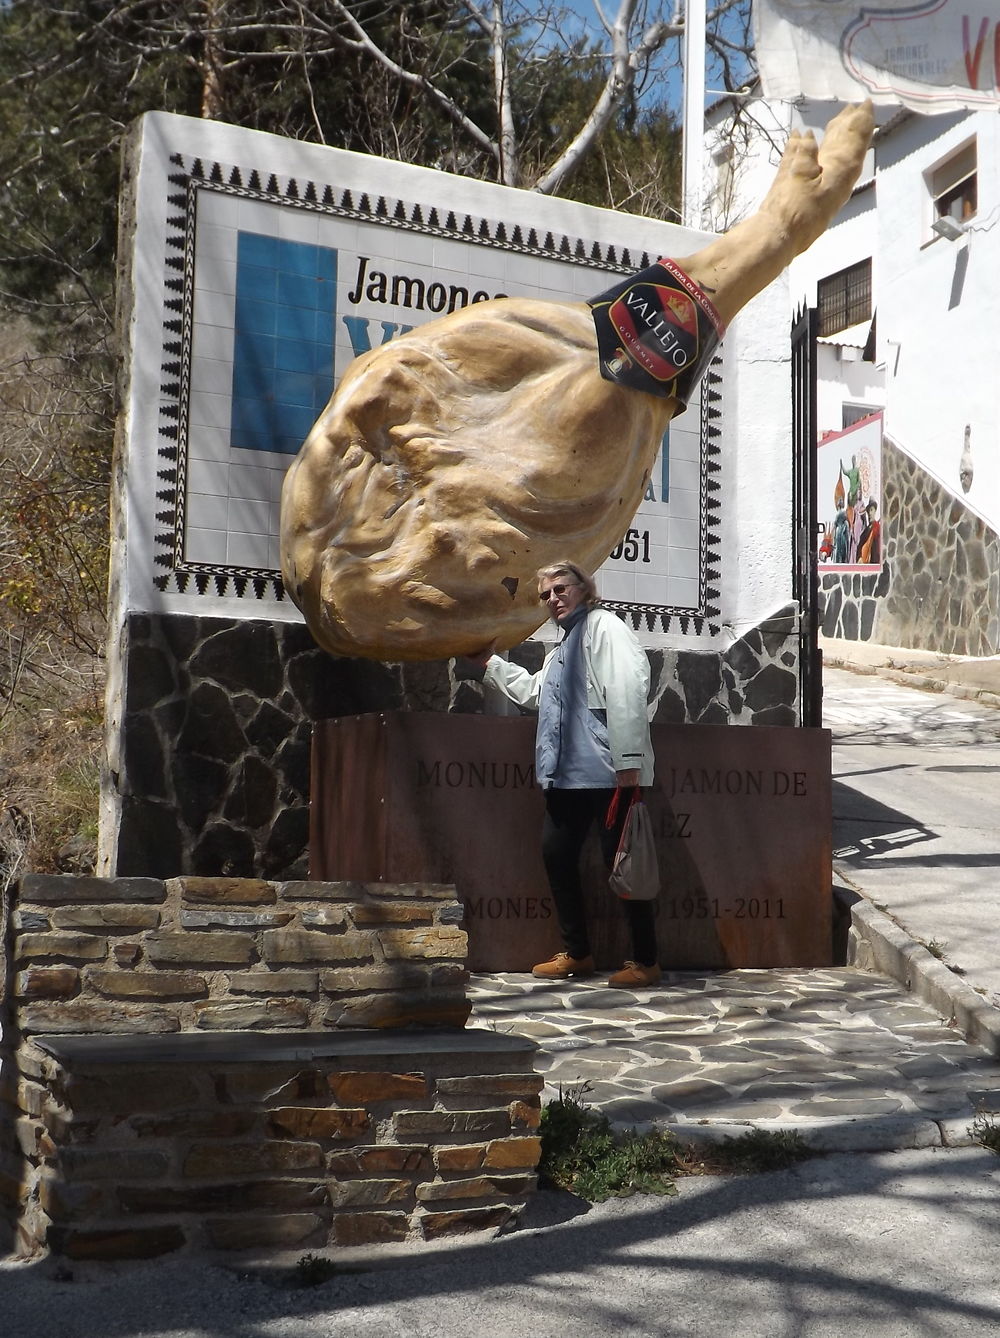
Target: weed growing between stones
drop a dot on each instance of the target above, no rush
(582, 1153)
(760, 1150)
(985, 1130)
(312, 1270)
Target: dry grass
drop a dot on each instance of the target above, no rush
(49, 785)
(53, 551)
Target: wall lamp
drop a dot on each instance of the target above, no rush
(946, 226)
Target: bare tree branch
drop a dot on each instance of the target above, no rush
(626, 63)
(441, 99)
(509, 165)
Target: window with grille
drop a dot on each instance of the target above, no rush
(845, 298)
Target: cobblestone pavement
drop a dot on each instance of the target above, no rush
(846, 1057)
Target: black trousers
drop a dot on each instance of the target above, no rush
(569, 816)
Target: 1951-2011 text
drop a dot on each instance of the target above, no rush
(717, 908)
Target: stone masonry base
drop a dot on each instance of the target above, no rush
(230, 1063)
(140, 1146)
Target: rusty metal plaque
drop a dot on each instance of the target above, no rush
(742, 814)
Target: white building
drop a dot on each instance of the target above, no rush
(907, 288)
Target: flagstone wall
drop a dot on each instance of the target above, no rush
(210, 730)
(234, 1064)
(939, 587)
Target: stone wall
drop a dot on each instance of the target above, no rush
(203, 1143)
(939, 587)
(137, 955)
(209, 745)
(754, 682)
(233, 1063)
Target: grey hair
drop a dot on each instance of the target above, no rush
(578, 573)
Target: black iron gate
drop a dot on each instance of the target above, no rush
(805, 578)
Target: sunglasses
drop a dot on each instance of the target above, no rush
(544, 595)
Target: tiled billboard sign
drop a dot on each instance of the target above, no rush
(261, 267)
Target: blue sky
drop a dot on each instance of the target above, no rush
(669, 74)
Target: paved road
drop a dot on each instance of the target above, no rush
(917, 814)
(894, 1245)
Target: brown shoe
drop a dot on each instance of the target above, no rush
(563, 965)
(635, 976)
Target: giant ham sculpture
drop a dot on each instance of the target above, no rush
(454, 461)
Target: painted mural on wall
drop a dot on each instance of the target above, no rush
(849, 498)
(938, 586)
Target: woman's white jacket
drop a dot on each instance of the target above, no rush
(617, 684)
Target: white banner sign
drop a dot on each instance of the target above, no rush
(929, 55)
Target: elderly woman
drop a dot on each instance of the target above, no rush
(592, 739)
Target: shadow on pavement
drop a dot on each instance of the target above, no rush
(864, 827)
(888, 1245)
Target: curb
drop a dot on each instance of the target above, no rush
(925, 680)
(859, 1133)
(877, 943)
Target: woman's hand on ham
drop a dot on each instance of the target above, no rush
(480, 658)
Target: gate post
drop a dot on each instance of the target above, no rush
(805, 574)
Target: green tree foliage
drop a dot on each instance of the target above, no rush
(71, 81)
(414, 81)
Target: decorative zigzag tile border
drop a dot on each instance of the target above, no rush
(191, 177)
(693, 622)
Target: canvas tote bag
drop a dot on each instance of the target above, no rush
(635, 874)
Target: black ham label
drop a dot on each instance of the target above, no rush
(656, 331)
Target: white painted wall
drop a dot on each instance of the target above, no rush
(842, 377)
(939, 308)
(753, 150)
(937, 301)
(841, 374)
(758, 538)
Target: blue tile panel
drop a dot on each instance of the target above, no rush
(286, 295)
